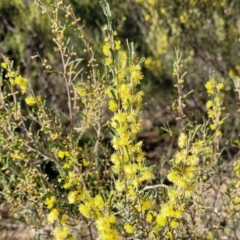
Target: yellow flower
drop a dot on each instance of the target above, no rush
(192, 160)
(30, 100)
(50, 202)
(115, 158)
(18, 155)
(112, 219)
(63, 219)
(173, 176)
(147, 175)
(117, 45)
(124, 140)
(182, 140)
(119, 186)
(220, 86)
(124, 89)
(212, 126)
(161, 220)
(108, 61)
(128, 228)
(197, 147)
(66, 165)
(209, 104)
(123, 59)
(105, 229)
(218, 133)
(61, 154)
(211, 114)
(236, 168)
(4, 65)
(106, 49)
(84, 210)
(54, 136)
(138, 96)
(53, 215)
(188, 192)
(174, 224)
(181, 182)
(67, 185)
(178, 213)
(98, 201)
(149, 217)
(116, 168)
(176, 179)
(116, 143)
(22, 83)
(218, 100)
(112, 105)
(180, 156)
(137, 148)
(146, 205)
(167, 210)
(209, 87)
(169, 236)
(129, 170)
(81, 91)
(131, 192)
(72, 197)
(101, 224)
(85, 162)
(172, 194)
(148, 62)
(136, 182)
(121, 75)
(136, 74)
(61, 234)
(120, 117)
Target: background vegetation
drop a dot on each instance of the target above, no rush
(207, 32)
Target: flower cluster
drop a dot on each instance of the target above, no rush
(214, 104)
(22, 83)
(128, 163)
(62, 229)
(215, 109)
(128, 158)
(183, 175)
(30, 100)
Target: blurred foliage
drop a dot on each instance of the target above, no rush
(206, 31)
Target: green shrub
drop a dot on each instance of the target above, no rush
(63, 177)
